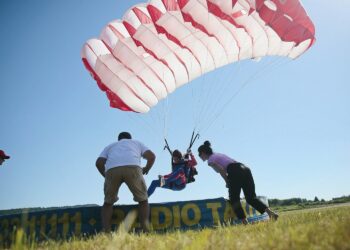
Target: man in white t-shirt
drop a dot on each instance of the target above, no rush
(120, 162)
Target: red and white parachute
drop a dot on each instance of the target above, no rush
(163, 44)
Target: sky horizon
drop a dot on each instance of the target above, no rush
(288, 120)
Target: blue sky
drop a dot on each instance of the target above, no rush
(290, 124)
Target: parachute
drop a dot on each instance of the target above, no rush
(161, 45)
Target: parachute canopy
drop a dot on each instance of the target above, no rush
(163, 44)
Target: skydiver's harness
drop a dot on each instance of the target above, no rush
(191, 170)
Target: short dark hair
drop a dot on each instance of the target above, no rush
(124, 135)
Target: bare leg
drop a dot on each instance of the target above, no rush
(106, 214)
(144, 214)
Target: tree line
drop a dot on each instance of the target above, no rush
(300, 201)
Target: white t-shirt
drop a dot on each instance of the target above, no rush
(125, 152)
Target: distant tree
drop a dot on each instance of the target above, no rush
(274, 202)
(322, 200)
(316, 199)
(341, 199)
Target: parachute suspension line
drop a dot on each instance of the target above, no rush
(137, 120)
(196, 100)
(155, 120)
(236, 93)
(221, 104)
(243, 85)
(208, 87)
(149, 120)
(213, 94)
(155, 117)
(225, 83)
(152, 122)
(204, 90)
(166, 117)
(198, 97)
(213, 107)
(162, 115)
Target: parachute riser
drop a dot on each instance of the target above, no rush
(167, 147)
(194, 137)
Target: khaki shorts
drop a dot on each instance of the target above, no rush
(132, 176)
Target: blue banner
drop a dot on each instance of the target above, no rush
(67, 222)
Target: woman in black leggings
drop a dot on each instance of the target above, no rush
(237, 176)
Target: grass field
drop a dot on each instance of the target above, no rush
(321, 228)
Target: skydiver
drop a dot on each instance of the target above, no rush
(183, 170)
(237, 176)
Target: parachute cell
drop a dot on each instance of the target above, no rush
(163, 44)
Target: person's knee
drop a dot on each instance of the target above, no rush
(110, 199)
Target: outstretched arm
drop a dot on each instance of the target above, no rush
(150, 157)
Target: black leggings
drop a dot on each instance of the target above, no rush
(240, 177)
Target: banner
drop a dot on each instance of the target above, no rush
(82, 221)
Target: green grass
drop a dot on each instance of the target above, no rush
(324, 228)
